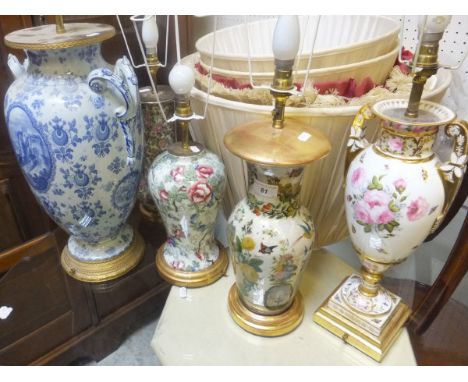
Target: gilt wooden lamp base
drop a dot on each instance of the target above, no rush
(371, 334)
(110, 269)
(192, 279)
(263, 325)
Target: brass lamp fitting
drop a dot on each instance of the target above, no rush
(153, 64)
(282, 84)
(427, 63)
(184, 110)
(59, 25)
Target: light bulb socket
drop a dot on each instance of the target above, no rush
(153, 63)
(282, 84)
(183, 108)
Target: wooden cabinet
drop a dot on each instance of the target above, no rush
(57, 320)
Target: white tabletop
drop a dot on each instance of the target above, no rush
(198, 330)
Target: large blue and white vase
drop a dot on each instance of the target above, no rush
(187, 190)
(74, 123)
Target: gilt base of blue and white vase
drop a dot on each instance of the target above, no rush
(199, 278)
(104, 261)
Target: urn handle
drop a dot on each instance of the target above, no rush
(453, 170)
(17, 68)
(357, 141)
(125, 89)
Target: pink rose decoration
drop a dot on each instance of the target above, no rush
(163, 194)
(377, 204)
(362, 213)
(156, 130)
(385, 217)
(200, 192)
(357, 176)
(376, 198)
(178, 174)
(418, 129)
(204, 171)
(400, 185)
(417, 209)
(200, 255)
(178, 265)
(396, 144)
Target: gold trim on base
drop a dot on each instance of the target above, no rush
(374, 346)
(263, 325)
(192, 279)
(100, 271)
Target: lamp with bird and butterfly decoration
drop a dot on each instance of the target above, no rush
(270, 235)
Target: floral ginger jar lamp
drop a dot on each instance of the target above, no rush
(397, 193)
(156, 103)
(187, 183)
(74, 124)
(270, 235)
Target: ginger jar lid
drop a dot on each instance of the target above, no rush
(165, 94)
(46, 37)
(295, 144)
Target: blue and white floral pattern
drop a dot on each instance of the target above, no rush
(70, 143)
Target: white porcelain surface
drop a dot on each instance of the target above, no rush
(394, 192)
(419, 203)
(183, 337)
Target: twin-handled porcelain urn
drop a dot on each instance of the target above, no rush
(74, 123)
(397, 193)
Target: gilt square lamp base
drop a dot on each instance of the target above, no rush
(371, 334)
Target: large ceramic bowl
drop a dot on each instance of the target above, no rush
(341, 40)
(322, 191)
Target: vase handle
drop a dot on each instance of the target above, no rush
(357, 141)
(453, 170)
(125, 89)
(17, 68)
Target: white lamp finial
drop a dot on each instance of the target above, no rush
(181, 79)
(150, 35)
(286, 38)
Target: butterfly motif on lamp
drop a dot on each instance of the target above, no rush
(266, 249)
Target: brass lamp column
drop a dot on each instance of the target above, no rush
(426, 61)
(270, 235)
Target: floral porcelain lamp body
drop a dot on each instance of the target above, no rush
(397, 192)
(187, 184)
(74, 123)
(159, 135)
(270, 235)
